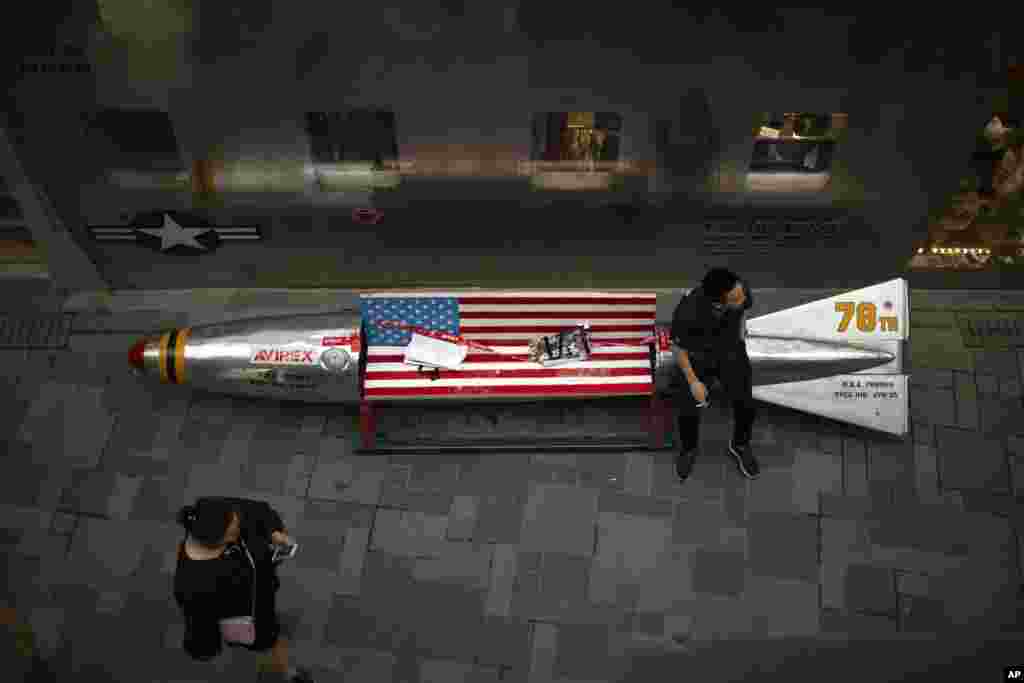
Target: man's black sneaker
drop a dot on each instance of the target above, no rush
(745, 460)
(684, 463)
(302, 676)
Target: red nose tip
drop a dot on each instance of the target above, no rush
(135, 355)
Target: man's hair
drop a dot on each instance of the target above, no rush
(208, 520)
(718, 281)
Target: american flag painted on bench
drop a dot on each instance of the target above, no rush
(505, 322)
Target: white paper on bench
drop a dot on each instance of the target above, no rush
(427, 351)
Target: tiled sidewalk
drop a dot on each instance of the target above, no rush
(514, 567)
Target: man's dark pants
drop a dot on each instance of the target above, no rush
(732, 368)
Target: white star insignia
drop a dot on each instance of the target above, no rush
(172, 234)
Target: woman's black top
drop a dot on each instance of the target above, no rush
(210, 590)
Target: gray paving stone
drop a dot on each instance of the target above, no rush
(417, 501)
(499, 519)
(1010, 387)
(933, 378)
(922, 433)
(1000, 417)
(203, 440)
(735, 494)
(719, 573)
(603, 470)
(504, 568)
(461, 609)
(988, 385)
(696, 522)
(870, 589)
(462, 518)
(553, 473)
(22, 482)
(559, 519)
(355, 622)
(932, 405)
(543, 652)
(409, 533)
(996, 363)
(926, 472)
(458, 563)
(967, 461)
(583, 652)
(782, 608)
(628, 504)
(103, 552)
(966, 400)
(857, 626)
(434, 475)
(783, 546)
(773, 491)
(638, 479)
(922, 615)
(90, 492)
(504, 474)
(855, 476)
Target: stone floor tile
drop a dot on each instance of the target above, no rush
(502, 580)
(102, 552)
(559, 519)
(461, 609)
(427, 502)
(603, 470)
(855, 476)
(815, 472)
(502, 474)
(719, 573)
(583, 652)
(499, 519)
(696, 522)
(857, 626)
(434, 475)
(409, 533)
(966, 392)
(933, 405)
(459, 563)
(462, 518)
(543, 652)
(782, 608)
(912, 583)
(445, 671)
(999, 417)
(202, 441)
(632, 544)
(629, 504)
(922, 615)
(639, 476)
(90, 492)
(669, 585)
(213, 480)
(870, 589)
(718, 618)
(926, 471)
(783, 546)
(773, 491)
(502, 642)
(357, 623)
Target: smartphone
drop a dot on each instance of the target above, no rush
(283, 552)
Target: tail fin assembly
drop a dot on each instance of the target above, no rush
(872, 319)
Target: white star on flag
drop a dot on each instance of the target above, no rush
(172, 234)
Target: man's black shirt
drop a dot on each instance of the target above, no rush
(696, 327)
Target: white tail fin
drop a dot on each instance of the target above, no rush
(875, 318)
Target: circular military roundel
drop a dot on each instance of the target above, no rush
(367, 216)
(336, 360)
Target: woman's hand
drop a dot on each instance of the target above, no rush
(281, 538)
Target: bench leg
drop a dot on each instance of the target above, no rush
(367, 424)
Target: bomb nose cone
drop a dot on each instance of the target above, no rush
(136, 353)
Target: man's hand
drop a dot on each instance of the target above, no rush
(281, 538)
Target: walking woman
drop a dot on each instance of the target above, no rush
(226, 580)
